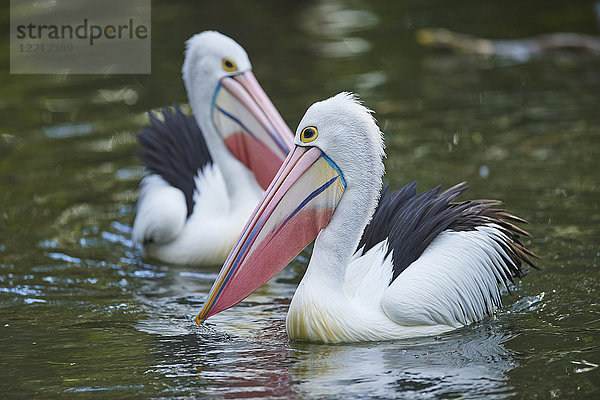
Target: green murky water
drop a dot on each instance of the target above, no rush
(83, 316)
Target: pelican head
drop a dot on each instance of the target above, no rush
(347, 133)
(231, 107)
(338, 150)
(211, 56)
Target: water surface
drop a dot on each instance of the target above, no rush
(83, 315)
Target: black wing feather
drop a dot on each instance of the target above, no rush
(174, 148)
(411, 221)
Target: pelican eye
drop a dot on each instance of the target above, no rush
(229, 65)
(309, 134)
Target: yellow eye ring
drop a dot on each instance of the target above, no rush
(229, 65)
(309, 134)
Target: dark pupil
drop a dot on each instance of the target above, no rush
(309, 133)
(228, 64)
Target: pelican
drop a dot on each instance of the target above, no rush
(384, 266)
(207, 173)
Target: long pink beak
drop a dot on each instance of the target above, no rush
(297, 205)
(251, 126)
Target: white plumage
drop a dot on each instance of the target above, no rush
(457, 280)
(206, 237)
(197, 195)
(385, 266)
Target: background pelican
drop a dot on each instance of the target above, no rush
(207, 172)
(422, 266)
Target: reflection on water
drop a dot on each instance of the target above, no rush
(68, 130)
(332, 22)
(81, 312)
(245, 352)
(471, 360)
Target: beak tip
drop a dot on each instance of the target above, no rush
(199, 321)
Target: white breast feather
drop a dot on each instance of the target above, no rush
(368, 276)
(319, 314)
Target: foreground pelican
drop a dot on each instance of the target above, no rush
(207, 175)
(422, 266)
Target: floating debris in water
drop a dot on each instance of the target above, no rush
(518, 49)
